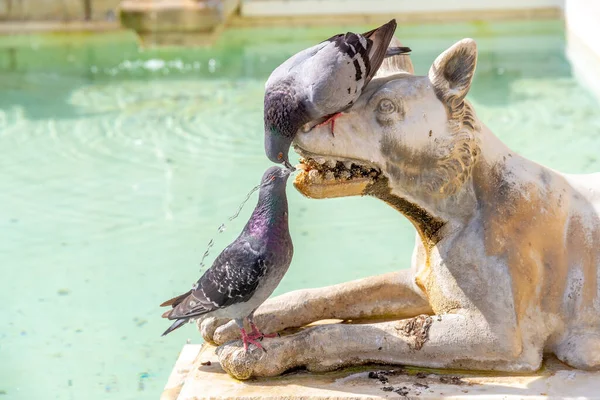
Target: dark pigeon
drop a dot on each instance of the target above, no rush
(321, 82)
(247, 272)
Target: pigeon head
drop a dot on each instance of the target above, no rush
(283, 116)
(274, 177)
(272, 186)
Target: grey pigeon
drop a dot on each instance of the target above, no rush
(245, 274)
(320, 83)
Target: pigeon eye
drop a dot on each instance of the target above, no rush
(386, 106)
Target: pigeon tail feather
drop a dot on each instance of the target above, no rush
(177, 324)
(176, 300)
(380, 38)
(394, 51)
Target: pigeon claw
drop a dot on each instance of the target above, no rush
(331, 120)
(247, 339)
(258, 335)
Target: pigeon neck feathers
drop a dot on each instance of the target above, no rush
(285, 111)
(270, 212)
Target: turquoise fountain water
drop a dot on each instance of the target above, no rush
(118, 165)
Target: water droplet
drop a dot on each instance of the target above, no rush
(206, 253)
(212, 65)
(254, 189)
(154, 64)
(222, 227)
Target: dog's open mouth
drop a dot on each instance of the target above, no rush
(325, 177)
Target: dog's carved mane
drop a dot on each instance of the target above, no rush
(457, 154)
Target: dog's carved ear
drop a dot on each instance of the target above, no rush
(453, 70)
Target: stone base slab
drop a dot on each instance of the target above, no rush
(198, 375)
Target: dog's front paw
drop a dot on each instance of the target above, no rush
(218, 330)
(278, 356)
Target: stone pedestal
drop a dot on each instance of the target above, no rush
(198, 375)
(176, 22)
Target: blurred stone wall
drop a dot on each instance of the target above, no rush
(58, 10)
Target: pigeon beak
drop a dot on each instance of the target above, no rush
(289, 167)
(286, 172)
(277, 146)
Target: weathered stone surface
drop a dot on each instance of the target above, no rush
(194, 378)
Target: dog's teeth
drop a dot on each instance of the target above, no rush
(330, 163)
(315, 176)
(348, 164)
(320, 160)
(329, 176)
(345, 174)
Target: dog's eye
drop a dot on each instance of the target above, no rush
(386, 106)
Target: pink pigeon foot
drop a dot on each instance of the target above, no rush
(247, 339)
(256, 334)
(332, 121)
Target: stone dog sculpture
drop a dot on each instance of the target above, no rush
(507, 253)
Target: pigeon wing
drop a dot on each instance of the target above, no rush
(379, 40)
(291, 65)
(355, 59)
(233, 278)
(335, 75)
